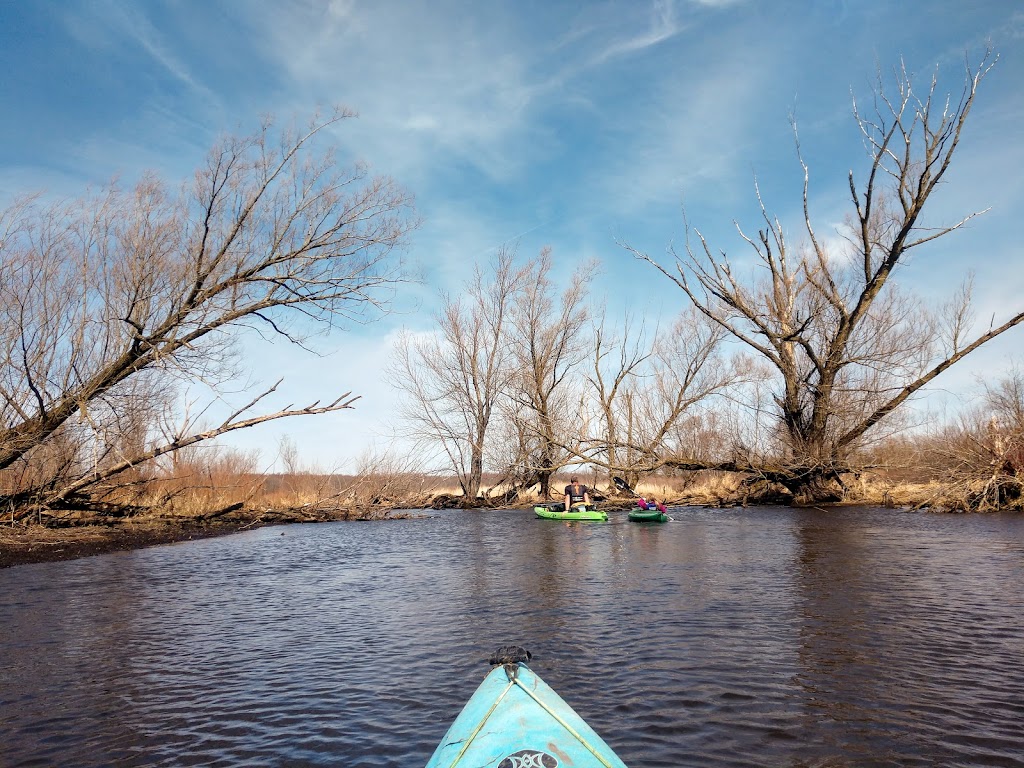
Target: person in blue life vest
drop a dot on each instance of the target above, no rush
(575, 493)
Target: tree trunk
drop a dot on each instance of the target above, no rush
(544, 478)
(476, 473)
(817, 487)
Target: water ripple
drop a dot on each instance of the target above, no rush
(725, 638)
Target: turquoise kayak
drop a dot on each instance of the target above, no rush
(556, 511)
(514, 720)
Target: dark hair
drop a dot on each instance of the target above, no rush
(574, 479)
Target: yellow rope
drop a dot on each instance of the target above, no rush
(564, 724)
(515, 681)
(480, 726)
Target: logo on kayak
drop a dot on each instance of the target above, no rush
(529, 758)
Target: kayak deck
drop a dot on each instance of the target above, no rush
(514, 720)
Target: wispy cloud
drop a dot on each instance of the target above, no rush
(469, 87)
(718, 3)
(562, 124)
(664, 25)
(114, 24)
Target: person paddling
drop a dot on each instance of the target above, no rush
(651, 504)
(576, 493)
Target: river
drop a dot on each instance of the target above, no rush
(738, 637)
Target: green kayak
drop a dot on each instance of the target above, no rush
(648, 516)
(514, 720)
(556, 511)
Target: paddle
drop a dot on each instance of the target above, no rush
(622, 485)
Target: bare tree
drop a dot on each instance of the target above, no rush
(847, 349)
(99, 293)
(547, 334)
(453, 379)
(609, 435)
(687, 370)
(652, 398)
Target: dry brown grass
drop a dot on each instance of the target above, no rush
(701, 489)
(935, 494)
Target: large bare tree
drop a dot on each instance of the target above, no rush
(454, 379)
(847, 349)
(147, 286)
(547, 337)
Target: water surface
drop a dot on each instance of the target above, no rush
(761, 637)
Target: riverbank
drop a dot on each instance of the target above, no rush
(40, 544)
(23, 544)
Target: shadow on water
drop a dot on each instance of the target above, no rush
(724, 638)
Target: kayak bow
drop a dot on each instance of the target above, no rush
(515, 720)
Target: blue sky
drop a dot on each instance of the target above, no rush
(562, 124)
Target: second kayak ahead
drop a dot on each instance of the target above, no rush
(648, 516)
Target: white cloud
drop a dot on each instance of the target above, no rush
(691, 135)
(437, 82)
(562, 124)
(663, 26)
(424, 82)
(718, 3)
(113, 25)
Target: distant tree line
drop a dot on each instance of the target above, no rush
(524, 377)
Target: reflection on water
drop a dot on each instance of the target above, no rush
(725, 638)
(922, 624)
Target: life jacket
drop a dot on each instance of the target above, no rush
(576, 493)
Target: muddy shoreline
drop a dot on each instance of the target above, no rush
(39, 544)
(23, 544)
